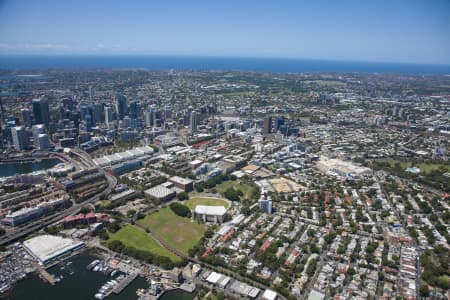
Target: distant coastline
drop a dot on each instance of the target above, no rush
(276, 65)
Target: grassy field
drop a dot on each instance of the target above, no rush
(181, 233)
(245, 188)
(133, 236)
(424, 167)
(191, 203)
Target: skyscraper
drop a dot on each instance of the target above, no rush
(37, 130)
(26, 117)
(40, 111)
(279, 121)
(121, 106)
(108, 115)
(134, 109)
(148, 117)
(194, 121)
(97, 112)
(19, 138)
(43, 142)
(267, 127)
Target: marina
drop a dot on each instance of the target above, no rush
(27, 166)
(69, 278)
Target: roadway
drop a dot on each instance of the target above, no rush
(22, 231)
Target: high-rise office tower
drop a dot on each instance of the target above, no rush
(19, 138)
(279, 121)
(97, 112)
(148, 117)
(37, 130)
(108, 115)
(26, 117)
(121, 106)
(267, 127)
(194, 121)
(43, 142)
(40, 111)
(134, 109)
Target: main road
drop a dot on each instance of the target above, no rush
(22, 231)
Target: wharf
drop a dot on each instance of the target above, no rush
(45, 275)
(124, 283)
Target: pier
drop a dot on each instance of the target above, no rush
(124, 283)
(45, 275)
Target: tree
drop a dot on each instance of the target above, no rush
(85, 210)
(199, 187)
(329, 238)
(232, 194)
(180, 209)
(424, 290)
(113, 227)
(183, 196)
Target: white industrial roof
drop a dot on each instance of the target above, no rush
(159, 191)
(181, 180)
(269, 295)
(316, 295)
(214, 277)
(210, 210)
(45, 247)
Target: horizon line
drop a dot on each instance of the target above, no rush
(216, 56)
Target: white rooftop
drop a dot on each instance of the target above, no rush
(214, 277)
(210, 210)
(181, 180)
(159, 191)
(269, 295)
(45, 247)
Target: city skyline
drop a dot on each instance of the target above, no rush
(404, 31)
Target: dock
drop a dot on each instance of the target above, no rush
(45, 275)
(124, 283)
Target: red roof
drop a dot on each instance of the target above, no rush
(201, 144)
(228, 235)
(90, 215)
(295, 252)
(79, 217)
(265, 245)
(207, 252)
(69, 219)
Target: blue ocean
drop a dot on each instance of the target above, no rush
(214, 63)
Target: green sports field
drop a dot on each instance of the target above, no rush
(181, 233)
(136, 237)
(194, 201)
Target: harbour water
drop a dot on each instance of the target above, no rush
(13, 168)
(79, 283)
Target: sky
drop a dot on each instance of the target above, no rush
(405, 31)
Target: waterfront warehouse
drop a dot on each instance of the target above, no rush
(47, 248)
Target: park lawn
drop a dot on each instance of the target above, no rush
(194, 201)
(133, 236)
(423, 166)
(181, 233)
(245, 188)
